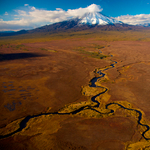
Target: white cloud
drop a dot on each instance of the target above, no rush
(14, 25)
(37, 17)
(21, 13)
(59, 9)
(135, 19)
(6, 13)
(26, 4)
(33, 8)
(82, 11)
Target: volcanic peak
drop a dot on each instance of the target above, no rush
(96, 18)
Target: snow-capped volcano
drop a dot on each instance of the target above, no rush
(90, 20)
(97, 18)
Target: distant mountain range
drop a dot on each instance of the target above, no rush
(89, 20)
(11, 33)
(144, 25)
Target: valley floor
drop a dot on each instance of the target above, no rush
(50, 83)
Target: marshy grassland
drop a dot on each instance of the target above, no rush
(48, 79)
(139, 35)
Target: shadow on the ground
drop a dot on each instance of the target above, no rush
(13, 56)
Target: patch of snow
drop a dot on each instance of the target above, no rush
(93, 18)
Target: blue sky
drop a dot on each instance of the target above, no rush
(27, 14)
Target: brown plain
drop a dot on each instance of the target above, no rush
(53, 77)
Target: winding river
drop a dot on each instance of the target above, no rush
(93, 81)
